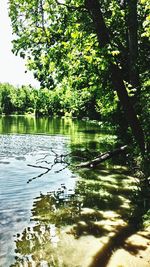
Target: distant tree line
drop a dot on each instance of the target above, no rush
(44, 102)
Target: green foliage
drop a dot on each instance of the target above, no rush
(59, 43)
(146, 219)
(60, 46)
(17, 100)
(6, 102)
(44, 102)
(146, 22)
(145, 104)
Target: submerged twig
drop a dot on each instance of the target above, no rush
(38, 176)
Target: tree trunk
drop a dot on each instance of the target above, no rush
(132, 28)
(94, 9)
(130, 8)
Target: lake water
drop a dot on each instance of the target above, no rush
(27, 140)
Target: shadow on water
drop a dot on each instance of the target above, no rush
(87, 227)
(99, 209)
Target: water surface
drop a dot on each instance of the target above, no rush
(23, 141)
(36, 228)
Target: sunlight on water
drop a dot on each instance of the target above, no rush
(60, 219)
(16, 195)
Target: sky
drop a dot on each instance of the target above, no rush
(12, 68)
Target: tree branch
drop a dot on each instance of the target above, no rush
(101, 158)
(61, 159)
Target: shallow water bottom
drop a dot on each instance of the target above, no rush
(122, 246)
(69, 235)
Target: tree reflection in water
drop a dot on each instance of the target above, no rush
(69, 230)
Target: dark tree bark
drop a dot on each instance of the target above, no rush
(94, 9)
(132, 29)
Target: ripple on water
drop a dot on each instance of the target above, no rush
(16, 196)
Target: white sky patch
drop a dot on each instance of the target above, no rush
(12, 68)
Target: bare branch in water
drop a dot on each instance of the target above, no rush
(68, 164)
(38, 176)
(47, 155)
(58, 159)
(44, 161)
(41, 174)
(35, 166)
(62, 159)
